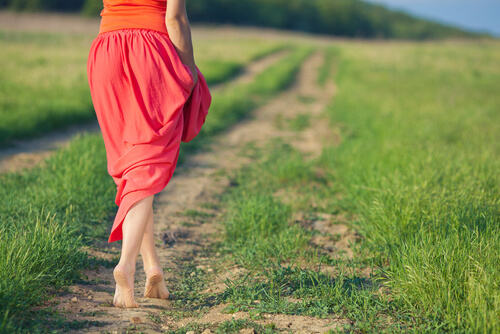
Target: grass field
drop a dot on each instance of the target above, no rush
(418, 172)
(416, 175)
(420, 166)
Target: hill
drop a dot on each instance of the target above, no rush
(347, 18)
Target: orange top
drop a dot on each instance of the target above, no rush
(127, 14)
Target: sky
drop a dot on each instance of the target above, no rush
(476, 15)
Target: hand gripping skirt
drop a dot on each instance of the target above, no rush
(146, 105)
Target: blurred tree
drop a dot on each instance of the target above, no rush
(92, 7)
(44, 5)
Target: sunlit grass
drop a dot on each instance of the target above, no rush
(420, 165)
(417, 170)
(283, 266)
(47, 215)
(43, 83)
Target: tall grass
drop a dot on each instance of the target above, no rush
(420, 165)
(47, 215)
(417, 167)
(284, 269)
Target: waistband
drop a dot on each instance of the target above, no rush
(153, 20)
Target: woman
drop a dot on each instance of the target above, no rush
(148, 96)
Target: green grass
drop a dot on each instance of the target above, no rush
(228, 327)
(51, 211)
(300, 122)
(47, 215)
(43, 78)
(417, 172)
(216, 71)
(262, 236)
(43, 83)
(420, 166)
(219, 65)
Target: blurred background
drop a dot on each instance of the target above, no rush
(352, 18)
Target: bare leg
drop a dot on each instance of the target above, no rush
(133, 228)
(155, 282)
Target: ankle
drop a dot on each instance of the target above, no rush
(150, 262)
(125, 267)
(153, 270)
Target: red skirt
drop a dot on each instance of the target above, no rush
(146, 105)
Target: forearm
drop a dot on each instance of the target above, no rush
(180, 34)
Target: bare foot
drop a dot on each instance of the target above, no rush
(124, 293)
(155, 284)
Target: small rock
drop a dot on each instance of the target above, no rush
(247, 331)
(74, 299)
(210, 270)
(136, 320)
(256, 301)
(217, 254)
(207, 331)
(89, 297)
(193, 274)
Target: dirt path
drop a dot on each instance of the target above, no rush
(194, 190)
(29, 153)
